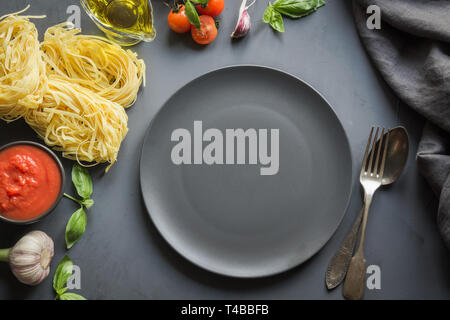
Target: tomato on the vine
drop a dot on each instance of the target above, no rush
(178, 21)
(207, 32)
(213, 8)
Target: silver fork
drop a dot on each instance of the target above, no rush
(370, 178)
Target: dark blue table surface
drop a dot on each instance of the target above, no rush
(123, 256)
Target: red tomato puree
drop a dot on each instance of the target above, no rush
(30, 182)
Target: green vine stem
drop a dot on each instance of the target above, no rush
(4, 254)
(72, 198)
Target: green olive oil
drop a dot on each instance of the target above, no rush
(124, 21)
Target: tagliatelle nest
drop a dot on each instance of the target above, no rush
(80, 123)
(22, 71)
(71, 89)
(93, 62)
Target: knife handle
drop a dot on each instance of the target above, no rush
(338, 266)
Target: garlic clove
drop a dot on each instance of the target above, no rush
(242, 27)
(30, 258)
(243, 24)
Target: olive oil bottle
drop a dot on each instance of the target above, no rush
(126, 22)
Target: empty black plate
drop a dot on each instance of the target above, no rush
(229, 218)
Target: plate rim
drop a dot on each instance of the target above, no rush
(182, 252)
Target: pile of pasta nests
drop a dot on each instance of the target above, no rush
(71, 88)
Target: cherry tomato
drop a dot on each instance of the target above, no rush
(178, 21)
(213, 8)
(207, 32)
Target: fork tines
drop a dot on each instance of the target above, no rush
(375, 144)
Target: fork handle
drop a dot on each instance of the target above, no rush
(356, 274)
(337, 269)
(368, 196)
(354, 282)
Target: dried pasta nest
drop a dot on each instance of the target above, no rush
(22, 71)
(78, 122)
(71, 89)
(93, 62)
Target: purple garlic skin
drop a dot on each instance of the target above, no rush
(243, 26)
(243, 23)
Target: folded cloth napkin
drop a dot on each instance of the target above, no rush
(412, 52)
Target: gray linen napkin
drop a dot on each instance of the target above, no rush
(412, 52)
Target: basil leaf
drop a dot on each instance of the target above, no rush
(62, 274)
(71, 296)
(61, 291)
(82, 181)
(88, 203)
(276, 22)
(273, 18)
(75, 227)
(191, 14)
(297, 8)
(268, 14)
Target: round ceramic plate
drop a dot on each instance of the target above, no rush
(249, 202)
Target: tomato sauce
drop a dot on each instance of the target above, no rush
(30, 182)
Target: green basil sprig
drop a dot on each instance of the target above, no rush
(62, 274)
(82, 181)
(75, 227)
(71, 296)
(191, 14)
(293, 9)
(77, 223)
(273, 18)
(83, 184)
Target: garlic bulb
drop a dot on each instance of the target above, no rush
(30, 258)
